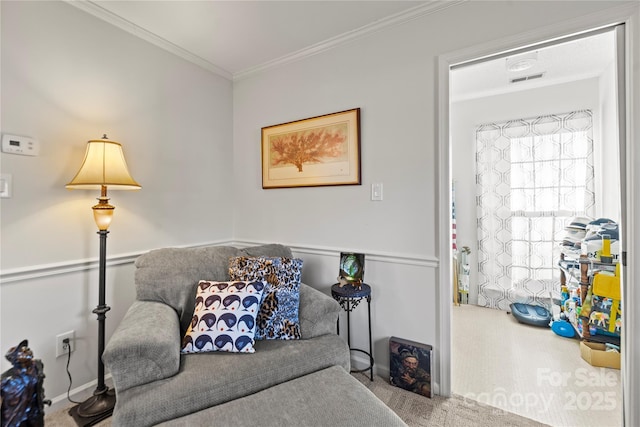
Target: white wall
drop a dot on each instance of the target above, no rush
(60, 59)
(390, 75)
(68, 77)
(610, 153)
(385, 80)
(467, 115)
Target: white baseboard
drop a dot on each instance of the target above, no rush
(360, 361)
(78, 394)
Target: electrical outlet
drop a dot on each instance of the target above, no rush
(61, 347)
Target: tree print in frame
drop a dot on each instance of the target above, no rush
(317, 151)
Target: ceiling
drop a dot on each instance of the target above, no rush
(236, 38)
(574, 60)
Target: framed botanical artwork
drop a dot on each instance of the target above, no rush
(317, 151)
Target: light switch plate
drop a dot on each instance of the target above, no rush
(5, 186)
(376, 191)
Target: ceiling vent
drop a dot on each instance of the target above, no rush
(526, 78)
(522, 62)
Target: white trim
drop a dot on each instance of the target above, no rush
(47, 270)
(390, 21)
(66, 267)
(81, 392)
(547, 34)
(445, 277)
(395, 258)
(631, 293)
(128, 26)
(626, 14)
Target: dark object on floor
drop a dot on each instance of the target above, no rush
(411, 365)
(22, 392)
(531, 314)
(106, 398)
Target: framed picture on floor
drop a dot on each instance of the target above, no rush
(411, 364)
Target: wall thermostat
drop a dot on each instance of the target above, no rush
(23, 145)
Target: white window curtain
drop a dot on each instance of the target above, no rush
(533, 176)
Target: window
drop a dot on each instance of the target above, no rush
(533, 176)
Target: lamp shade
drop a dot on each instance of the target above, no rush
(103, 165)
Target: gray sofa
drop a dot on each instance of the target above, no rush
(155, 383)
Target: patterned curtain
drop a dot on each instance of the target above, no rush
(533, 176)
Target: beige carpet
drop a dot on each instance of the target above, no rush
(530, 371)
(414, 409)
(419, 411)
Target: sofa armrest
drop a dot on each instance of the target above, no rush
(145, 347)
(318, 312)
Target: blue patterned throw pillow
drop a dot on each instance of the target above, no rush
(278, 317)
(224, 318)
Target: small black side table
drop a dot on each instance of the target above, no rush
(349, 297)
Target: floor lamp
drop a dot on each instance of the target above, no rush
(103, 166)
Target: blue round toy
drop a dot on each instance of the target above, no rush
(563, 328)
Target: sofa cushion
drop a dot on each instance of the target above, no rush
(205, 380)
(272, 250)
(278, 317)
(224, 318)
(145, 347)
(330, 397)
(170, 275)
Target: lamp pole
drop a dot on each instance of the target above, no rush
(103, 166)
(101, 404)
(101, 310)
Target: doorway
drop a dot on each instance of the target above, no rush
(536, 134)
(567, 103)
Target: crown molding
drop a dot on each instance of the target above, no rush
(393, 20)
(128, 26)
(390, 21)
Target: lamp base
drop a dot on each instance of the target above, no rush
(95, 409)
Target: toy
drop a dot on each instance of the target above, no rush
(531, 314)
(563, 328)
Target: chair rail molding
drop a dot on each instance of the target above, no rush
(66, 267)
(379, 256)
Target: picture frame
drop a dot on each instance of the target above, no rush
(351, 267)
(411, 365)
(318, 151)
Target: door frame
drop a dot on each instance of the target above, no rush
(629, 15)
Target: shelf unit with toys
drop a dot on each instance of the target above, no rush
(577, 279)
